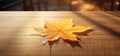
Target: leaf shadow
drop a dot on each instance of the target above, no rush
(73, 43)
(51, 43)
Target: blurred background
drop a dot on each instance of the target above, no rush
(59, 5)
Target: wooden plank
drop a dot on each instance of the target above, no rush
(28, 31)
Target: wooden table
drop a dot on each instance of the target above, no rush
(18, 38)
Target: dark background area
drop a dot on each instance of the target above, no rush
(5, 4)
(52, 5)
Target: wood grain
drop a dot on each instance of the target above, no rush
(18, 38)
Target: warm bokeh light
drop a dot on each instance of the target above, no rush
(88, 7)
(81, 5)
(74, 3)
(117, 3)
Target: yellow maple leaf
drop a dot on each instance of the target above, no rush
(64, 29)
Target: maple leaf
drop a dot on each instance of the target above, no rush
(64, 29)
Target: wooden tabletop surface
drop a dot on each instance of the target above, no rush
(18, 38)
